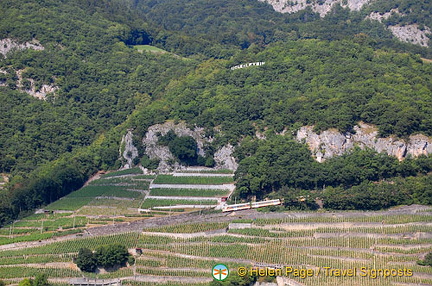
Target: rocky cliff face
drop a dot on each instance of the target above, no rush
(321, 7)
(406, 33)
(8, 45)
(40, 93)
(412, 34)
(223, 157)
(127, 150)
(333, 143)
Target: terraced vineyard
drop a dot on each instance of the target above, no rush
(183, 254)
(182, 249)
(189, 189)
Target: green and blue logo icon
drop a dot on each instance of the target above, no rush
(220, 272)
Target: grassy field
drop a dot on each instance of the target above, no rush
(169, 179)
(95, 191)
(120, 183)
(153, 49)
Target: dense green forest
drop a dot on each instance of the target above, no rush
(101, 81)
(202, 26)
(328, 72)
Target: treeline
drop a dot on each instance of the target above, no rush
(361, 179)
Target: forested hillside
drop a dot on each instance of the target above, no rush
(328, 72)
(238, 24)
(100, 80)
(325, 84)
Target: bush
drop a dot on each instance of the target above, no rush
(26, 282)
(131, 260)
(86, 260)
(112, 255)
(427, 261)
(148, 163)
(107, 256)
(41, 280)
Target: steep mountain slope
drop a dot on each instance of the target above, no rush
(79, 50)
(246, 22)
(310, 82)
(89, 78)
(409, 21)
(79, 58)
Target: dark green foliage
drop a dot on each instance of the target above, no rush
(41, 280)
(362, 179)
(184, 148)
(107, 256)
(235, 280)
(112, 255)
(131, 260)
(427, 261)
(150, 164)
(86, 260)
(276, 163)
(2, 283)
(100, 79)
(326, 84)
(218, 27)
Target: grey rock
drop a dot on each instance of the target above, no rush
(129, 147)
(332, 143)
(290, 6)
(223, 157)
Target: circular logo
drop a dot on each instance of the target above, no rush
(220, 272)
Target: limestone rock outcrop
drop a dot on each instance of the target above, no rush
(7, 45)
(129, 152)
(223, 157)
(321, 7)
(332, 143)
